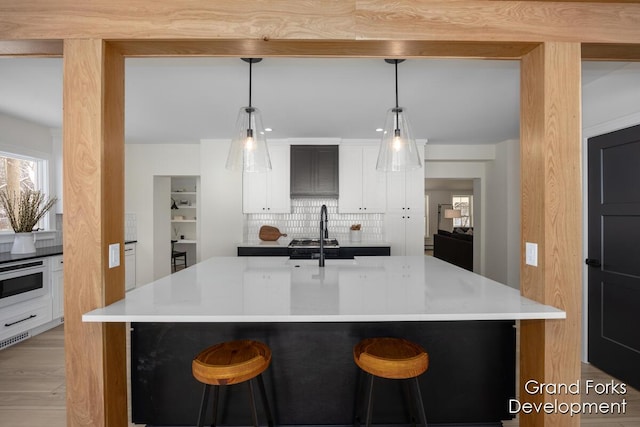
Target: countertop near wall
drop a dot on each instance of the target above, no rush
(6, 257)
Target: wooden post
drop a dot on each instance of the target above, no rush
(93, 174)
(550, 138)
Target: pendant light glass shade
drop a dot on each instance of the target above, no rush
(398, 149)
(249, 150)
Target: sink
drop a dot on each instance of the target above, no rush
(327, 262)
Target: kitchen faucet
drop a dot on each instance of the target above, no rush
(324, 232)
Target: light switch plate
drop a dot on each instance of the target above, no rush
(114, 255)
(531, 254)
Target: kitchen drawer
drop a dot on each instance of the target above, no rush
(23, 316)
(129, 249)
(56, 263)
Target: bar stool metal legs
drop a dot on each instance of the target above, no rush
(414, 400)
(392, 358)
(229, 363)
(252, 403)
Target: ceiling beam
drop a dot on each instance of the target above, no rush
(321, 48)
(458, 21)
(36, 48)
(610, 52)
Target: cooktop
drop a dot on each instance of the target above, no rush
(313, 243)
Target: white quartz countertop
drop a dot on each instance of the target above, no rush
(277, 289)
(284, 242)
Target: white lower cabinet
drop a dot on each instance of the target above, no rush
(405, 233)
(57, 286)
(129, 266)
(21, 317)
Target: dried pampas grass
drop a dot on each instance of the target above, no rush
(25, 209)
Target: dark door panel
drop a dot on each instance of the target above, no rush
(620, 168)
(620, 308)
(621, 244)
(614, 253)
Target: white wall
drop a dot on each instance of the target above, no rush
(143, 163)
(502, 236)
(611, 97)
(221, 227)
(24, 137)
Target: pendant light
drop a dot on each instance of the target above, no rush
(249, 144)
(398, 149)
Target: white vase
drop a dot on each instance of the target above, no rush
(24, 243)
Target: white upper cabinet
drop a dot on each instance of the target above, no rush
(268, 192)
(362, 187)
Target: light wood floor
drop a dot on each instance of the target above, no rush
(35, 396)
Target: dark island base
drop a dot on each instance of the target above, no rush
(312, 378)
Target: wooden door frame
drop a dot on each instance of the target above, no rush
(546, 34)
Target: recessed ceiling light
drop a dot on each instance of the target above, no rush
(379, 130)
(268, 129)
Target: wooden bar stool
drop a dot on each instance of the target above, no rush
(393, 358)
(230, 363)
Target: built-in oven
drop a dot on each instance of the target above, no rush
(23, 280)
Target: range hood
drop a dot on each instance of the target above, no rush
(314, 171)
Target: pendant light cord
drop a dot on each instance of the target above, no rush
(250, 65)
(396, 63)
(397, 130)
(250, 130)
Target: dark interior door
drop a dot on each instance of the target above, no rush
(614, 253)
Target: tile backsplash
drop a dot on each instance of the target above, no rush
(304, 220)
(130, 226)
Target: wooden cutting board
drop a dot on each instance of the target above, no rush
(269, 233)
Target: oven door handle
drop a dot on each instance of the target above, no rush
(20, 321)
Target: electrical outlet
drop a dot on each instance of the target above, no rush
(114, 255)
(531, 254)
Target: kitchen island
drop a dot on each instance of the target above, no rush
(311, 317)
(283, 247)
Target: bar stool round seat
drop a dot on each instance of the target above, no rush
(229, 363)
(396, 359)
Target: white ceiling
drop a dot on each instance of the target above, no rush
(171, 100)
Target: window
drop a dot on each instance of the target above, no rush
(19, 173)
(465, 204)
